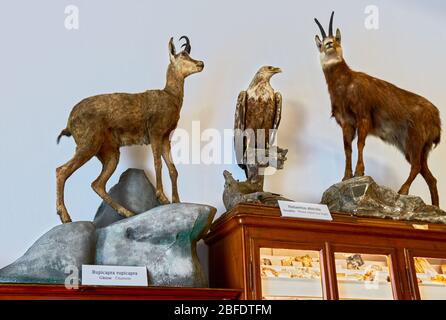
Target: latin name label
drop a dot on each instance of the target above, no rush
(305, 210)
(114, 276)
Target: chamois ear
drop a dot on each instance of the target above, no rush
(318, 42)
(338, 35)
(172, 50)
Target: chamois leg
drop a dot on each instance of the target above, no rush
(173, 173)
(64, 172)
(429, 177)
(363, 131)
(157, 150)
(349, 134)
(110, 160)
(414, 171)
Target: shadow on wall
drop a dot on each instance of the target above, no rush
(323, 160)
(290, 137)
(139, 157)
(380, 170)
(328, 159)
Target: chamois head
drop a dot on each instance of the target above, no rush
(330, 46)
(182, 63)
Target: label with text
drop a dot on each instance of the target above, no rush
(114, 276)
(305, 210)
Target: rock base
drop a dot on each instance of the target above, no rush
(134, 191)
(162, 238)
(237, 192)
(54, 256)
(363, 197)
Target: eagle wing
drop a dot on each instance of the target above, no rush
(239, 128)
(278, 114)
(240, 111)
(278, 105)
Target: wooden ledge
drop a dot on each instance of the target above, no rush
(59, 292)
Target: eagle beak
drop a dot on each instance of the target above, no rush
(277, 70)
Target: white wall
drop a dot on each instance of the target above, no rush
(122, 46)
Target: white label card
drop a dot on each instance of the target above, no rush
(114, 276)
(305, 210)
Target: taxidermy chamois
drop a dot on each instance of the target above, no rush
(102, 124)
(364, 105)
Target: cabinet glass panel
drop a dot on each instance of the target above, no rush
(363, 276)
(290, 274)
(431, 278)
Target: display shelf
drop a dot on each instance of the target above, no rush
(431, 278)
(59, 292)
(353, 290)
(432, 291)
(298, 289)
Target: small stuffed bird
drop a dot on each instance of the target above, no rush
(259, 107)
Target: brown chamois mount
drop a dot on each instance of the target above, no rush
(100, 125)
(364, 105)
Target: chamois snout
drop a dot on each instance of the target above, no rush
(329, 45)
(200, 65)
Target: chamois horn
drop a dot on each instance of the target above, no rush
(330, 31)
(186, 45)
(324, 35)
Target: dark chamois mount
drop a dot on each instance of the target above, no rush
(363, 105)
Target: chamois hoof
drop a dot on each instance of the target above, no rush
(403, 192)
(166, 201)
(126, 213)
(66, 220)
(64, 217)
(162, 198)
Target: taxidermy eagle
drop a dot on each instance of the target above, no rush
(259, 107)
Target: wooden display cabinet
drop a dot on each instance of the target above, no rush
(268, 256)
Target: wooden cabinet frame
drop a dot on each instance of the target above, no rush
(237, 236)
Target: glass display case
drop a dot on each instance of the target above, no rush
(431, 278)
(267, 256)
(363, 276)
(290, 274)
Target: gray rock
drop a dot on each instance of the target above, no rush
(362, 196)
(163, 239)
(65, 246)
(133, 191)
(237, 192)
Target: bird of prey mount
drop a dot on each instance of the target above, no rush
(256, 121)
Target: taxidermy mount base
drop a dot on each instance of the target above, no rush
(363, 197)
(251, 190)
(161, 237)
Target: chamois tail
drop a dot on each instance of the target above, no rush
(65, 132)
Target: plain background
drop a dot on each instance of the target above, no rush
(121, 46)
